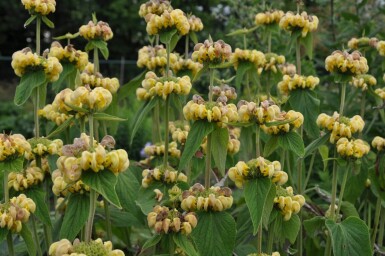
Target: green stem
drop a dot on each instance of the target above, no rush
(362, 111)
(46, 228)
(269, 42)
(186, 47)
(35, 236)
(376, 220)
(96, 61)
(271, 237)
(259, 239)
(257, 141)
(91, 130)
(166, 131)
(300, 185)
(91, 215)
(244, 41)
(298, 54)
(168, 59)
(369, 216)
(208, 162)
(268, 85)
(37, 90)
(248, 86)
(343, 94)
(11, 251)
(282, 159)
(108, 219)
(38, 33)
(158, 135)
(380, 239)
(309, 170)
(343, 185)
(5, 187)
(211, 74)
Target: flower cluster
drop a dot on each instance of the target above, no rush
(69, 54)
(253, 56)
(97, 247)
(198, 109)
(288, 203)
(197, 198)
(363, 81)
(79, 157)
(41, 147)
(340, 126)
(352, 148)
(291, 83)
(13, 146)
(288, 69)
(158, 150)
(16, 212)
(345, 63)
(154, 58)
(233, 144)
(269, 17)
(154, 7)
(211, 52)
(380, 92)
(195, 23)
(165, 220)
(100, 30)
(39, 7)
(302, 22)
(224, 93)
(20, 181)
(378, 143)
(96, 99)
(255, 168)
(61, 186)
(381, 48)
(356, 43)
(153, 85)
(182, 65)
(294, 119)
(168, 175)
(24, 61)
(273, 62)
(97, 80)
(167, 20)
(179, 132)
(57, 112)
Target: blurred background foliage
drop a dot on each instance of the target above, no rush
(339, 22)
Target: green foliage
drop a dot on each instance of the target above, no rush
(220, 138)
(26, 234)
(42, 211)
(13, 165)
(28, 82)
(292, 141)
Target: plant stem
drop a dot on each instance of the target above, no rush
(244, 42)
(11, 251)
(282, 158)
(299, 187)
(91, 214)
(362, 111)
(168, 59)
(298, 53)
(96, 61)
(309, 170)
(208, 162)
(38, 33)
(257, 141)
(166, 131)
(259, 238)
(91, 130)
(380, 239)
(271, 237)
(342, 104)
(35, 236)
(343, 185)
(376, 220)
(269, 42)
(211, 74)
(37, 90)
(248, 86)
(186, 47)
(5, 187)
(268, 85)
(108, 219)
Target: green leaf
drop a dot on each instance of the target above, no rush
(47, 21)
(78, 109)
(243, 67)
(256, 193)
(270, 146)
(102, 46)
(306, 102)
(193, 37)
(14, 165)
(30, 19)
(350, 237)
(42, 212)
(316, 144)
(219, 140)
(292, 141)
(3, 234)
(28, 82)
(324, 152)
(141, 114)
(104, 183)
(61, 128)
(200, 72)
(314, 225)
(131, 86)
(307, 42)
(185, 244)
(215, 233)
(348, 210)
(152, 242)
(198, 131)
(173, 42)
(166, 36)
(67, 36)
(75, 216)
(26, 234)
(107, 117)
(267, 209)
(286, 229)
(68, 70)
